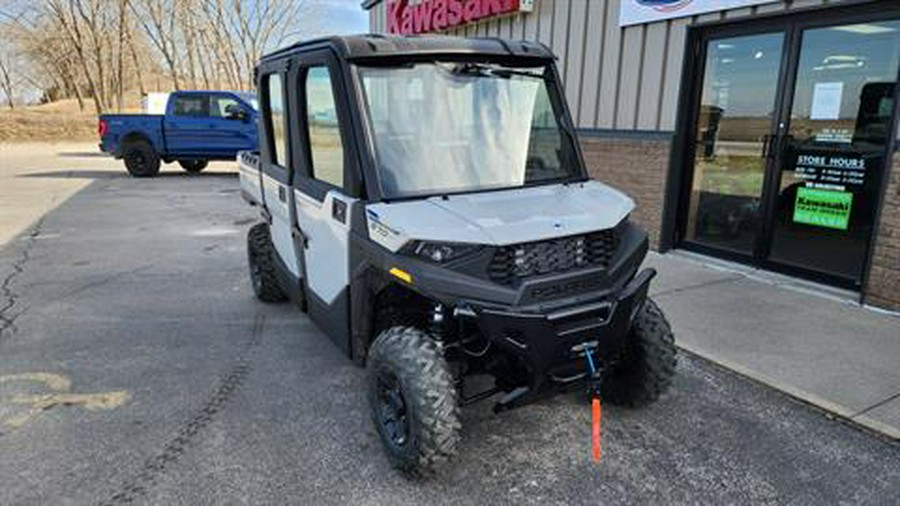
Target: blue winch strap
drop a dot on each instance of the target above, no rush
(590, 361)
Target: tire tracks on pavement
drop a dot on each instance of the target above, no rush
(157, 465)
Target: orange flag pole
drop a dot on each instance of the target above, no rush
(595, 429)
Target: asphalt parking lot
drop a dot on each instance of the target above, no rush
(136, 366)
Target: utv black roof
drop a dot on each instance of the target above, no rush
(370, 46)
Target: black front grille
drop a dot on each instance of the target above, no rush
(555, 255)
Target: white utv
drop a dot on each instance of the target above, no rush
(425, 200)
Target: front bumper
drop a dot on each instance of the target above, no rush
(544, 342)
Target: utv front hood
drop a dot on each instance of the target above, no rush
(500, 217)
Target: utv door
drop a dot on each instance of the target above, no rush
(275, 165)
(322, 201)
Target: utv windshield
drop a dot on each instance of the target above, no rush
(450, 127)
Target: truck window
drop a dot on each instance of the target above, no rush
(275, 106)
(325, 145)
(191, 105)
(221, 104)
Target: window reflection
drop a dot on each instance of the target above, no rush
(833, 163)
(735, 115)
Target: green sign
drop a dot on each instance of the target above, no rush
(823, 208)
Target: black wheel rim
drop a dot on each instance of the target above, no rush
(137, 159)
(392, 412)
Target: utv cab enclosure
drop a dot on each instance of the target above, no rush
(425, 200)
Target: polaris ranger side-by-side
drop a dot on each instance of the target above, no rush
(425, 200)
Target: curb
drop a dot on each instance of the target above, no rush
(832, 409)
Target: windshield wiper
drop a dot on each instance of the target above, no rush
(481, 70)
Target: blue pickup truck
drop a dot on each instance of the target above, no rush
(198, 126)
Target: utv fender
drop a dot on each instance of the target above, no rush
(365, 283)
(374, 297)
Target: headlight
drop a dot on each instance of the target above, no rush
(439, 252)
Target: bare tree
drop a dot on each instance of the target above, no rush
(158, 18)
(242, 30)
(132, 49)
(6, 80)
(68, 19)
(46, 51)
(100, 50)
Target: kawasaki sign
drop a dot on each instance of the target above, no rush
(823, 208)
(426, 16)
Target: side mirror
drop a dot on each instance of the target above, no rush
(236, 112)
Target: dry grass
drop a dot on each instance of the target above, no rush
(50, 122)
(57, 121)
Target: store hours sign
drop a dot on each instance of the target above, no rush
(826, 170)
(829, 181)
(633, 12)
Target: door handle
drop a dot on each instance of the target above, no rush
(296, 233)
(339, 211)
(783, 142)
(774, 145)
(282, 194)
(766, 144)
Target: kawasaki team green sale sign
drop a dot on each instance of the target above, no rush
(823, 208)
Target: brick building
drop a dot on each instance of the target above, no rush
(758, 131)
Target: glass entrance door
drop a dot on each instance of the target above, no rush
(735, 121)
(833, 156)
(790, 127)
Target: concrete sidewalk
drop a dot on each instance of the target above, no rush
(812, 342)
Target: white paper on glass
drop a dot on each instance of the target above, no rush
(826, 101)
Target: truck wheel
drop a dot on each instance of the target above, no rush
(648, 364)
(193, 166)
(141, 159)
(260, 257)
(413, 400)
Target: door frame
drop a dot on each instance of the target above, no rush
(680, 176)
(333, 317)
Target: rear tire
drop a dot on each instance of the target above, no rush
(141, 159)
(193, 166)
(261, 259)
(413, 400)
(648, 364)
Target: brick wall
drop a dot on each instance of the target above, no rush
(884, 278)
(638, 167)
